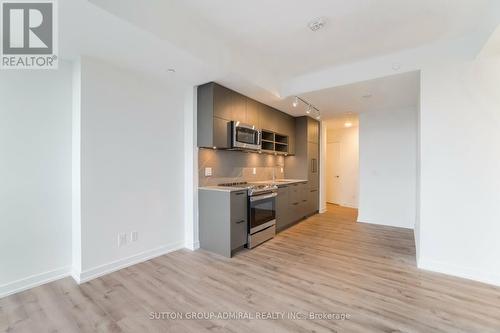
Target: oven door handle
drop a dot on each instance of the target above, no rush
(262, 197)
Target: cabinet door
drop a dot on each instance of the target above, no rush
(268, 118)
(304, 199)
(312, 130)
(239, 223)
(281, 122)
(290, 131)
(253, 112)
(223, 102)
(282, 211)
(293, 202)
(313, 201)
(238, 107)
(222, 133)
(313, 164)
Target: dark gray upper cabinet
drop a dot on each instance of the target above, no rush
(220, 99)
(268, 118)
(312, 131)
(238, 108)
(253, 112)
(218, 105)
(214, 113)
(288, 123)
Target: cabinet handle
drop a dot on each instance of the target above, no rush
(313, 190)
(304, 200)
(240, 221)
(240, 193)
(295, 203)
(314, 167)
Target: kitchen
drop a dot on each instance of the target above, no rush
(258, 170)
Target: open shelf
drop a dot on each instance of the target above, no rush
(280, 147)
(274, 142)
(267, 136)
(281, 138)
(266, 145)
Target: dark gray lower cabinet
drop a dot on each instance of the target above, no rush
(295, 202)
(239, 226)
(313, 201)
(222, 220)
(304, 199)
(282, 210)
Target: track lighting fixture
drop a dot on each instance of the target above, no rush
(310, 109)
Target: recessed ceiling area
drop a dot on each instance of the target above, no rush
(391, 92)
(266, 49)
(277, 31)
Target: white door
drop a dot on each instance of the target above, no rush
(333, 172)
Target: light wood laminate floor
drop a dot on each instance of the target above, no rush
(326, 264)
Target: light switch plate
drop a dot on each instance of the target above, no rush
(122, 240)
(134, 236)
(254, 171)
(208, 172)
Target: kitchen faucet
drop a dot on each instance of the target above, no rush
(274, 171)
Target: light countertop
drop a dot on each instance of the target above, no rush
(277, 182)
(222, 188)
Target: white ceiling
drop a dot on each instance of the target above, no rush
(339, 121)
(391, 92)
(275, 31)
(258, 47)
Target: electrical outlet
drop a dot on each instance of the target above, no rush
(122, 240)
(134, 236)
(208, 172)
(254, 171)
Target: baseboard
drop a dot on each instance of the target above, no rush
(90, 274)
(362, 220)
(348, 206)
(33, 281)
(462, 272)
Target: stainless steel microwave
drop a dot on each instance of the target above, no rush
(245, 136)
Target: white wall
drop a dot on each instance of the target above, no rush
(131, 167)
(322, 167)
(388, 167)
(35, 177)
(460, 163)
(348, 139)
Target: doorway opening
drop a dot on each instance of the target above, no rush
(342, 161)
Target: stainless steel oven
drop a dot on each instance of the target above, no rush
(261, 217)
(245, 136)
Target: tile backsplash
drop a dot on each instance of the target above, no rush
(236, 166)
